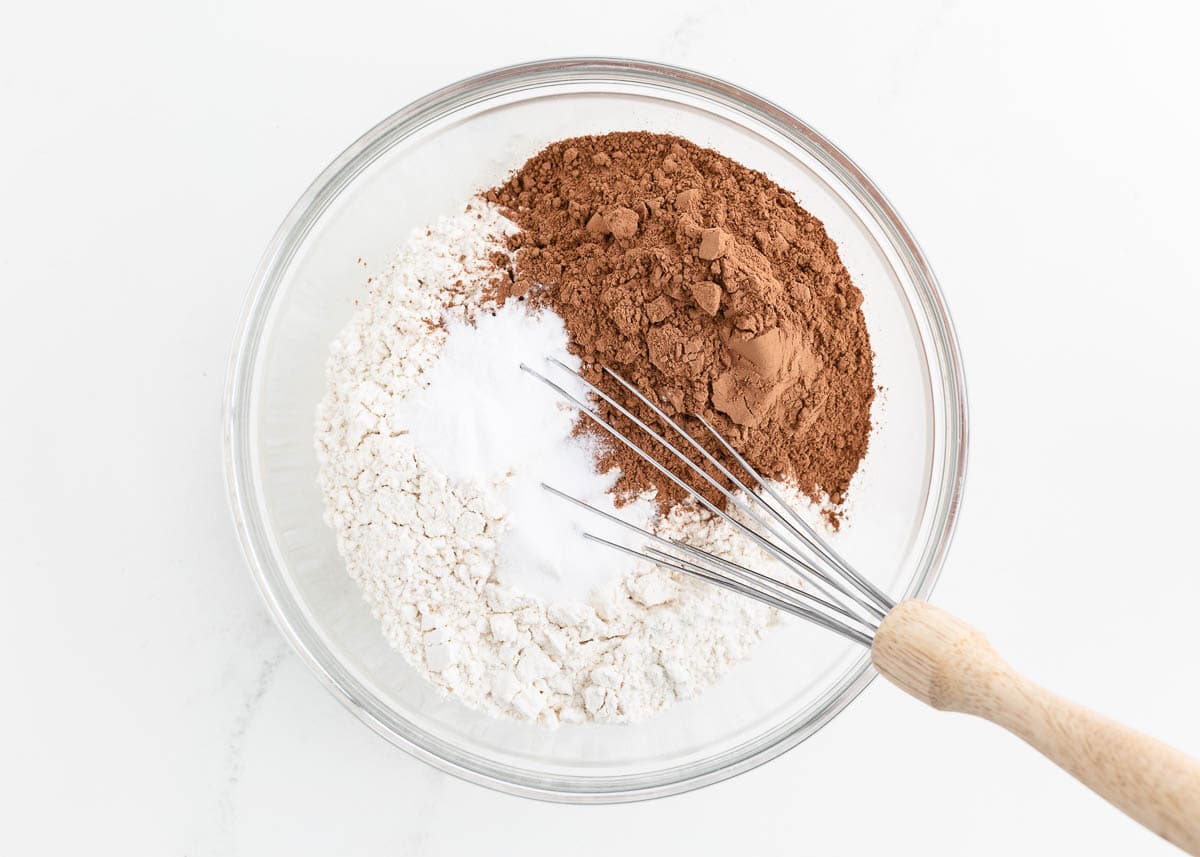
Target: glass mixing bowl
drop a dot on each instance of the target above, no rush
(424, 161)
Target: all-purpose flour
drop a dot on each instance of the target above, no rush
(428, 538)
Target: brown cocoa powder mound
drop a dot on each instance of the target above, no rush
(707, 286)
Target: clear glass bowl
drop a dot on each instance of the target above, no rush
(424, 161)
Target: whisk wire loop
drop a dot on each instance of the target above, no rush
(797, 525)
(853, 605)
(815, 575)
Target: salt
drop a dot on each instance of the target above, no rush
(486, 424)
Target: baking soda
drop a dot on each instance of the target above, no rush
(488, 425)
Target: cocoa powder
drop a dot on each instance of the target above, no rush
(707, 286)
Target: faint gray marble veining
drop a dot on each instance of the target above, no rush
(677, 47)
(419, 837)
(904, 62)
(236, 740)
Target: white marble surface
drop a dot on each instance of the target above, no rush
(1044, 155)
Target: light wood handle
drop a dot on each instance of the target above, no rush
(947, 664)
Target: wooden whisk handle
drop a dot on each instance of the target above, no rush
(947, 664)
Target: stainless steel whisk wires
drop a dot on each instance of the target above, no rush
(852, 606)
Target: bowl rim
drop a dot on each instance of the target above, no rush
(241, 486)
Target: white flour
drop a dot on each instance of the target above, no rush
(430, 551)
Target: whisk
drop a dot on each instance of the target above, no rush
(922, 649)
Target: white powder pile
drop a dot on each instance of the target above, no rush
(486, 424)
(431, 445)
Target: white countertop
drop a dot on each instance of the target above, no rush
(1047, 161)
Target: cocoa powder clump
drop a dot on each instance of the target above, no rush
(707, 286)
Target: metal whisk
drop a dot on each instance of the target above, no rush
(924, 650)
(853, 605)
